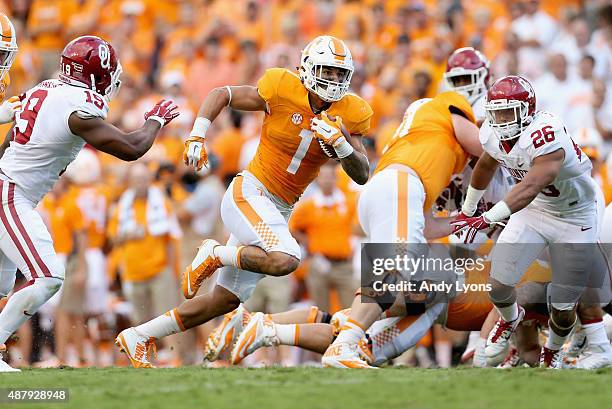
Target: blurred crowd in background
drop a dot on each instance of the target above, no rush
(120, 271)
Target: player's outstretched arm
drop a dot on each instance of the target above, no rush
(243, 98)
(542, 174)
(126, 146)
(483, 173)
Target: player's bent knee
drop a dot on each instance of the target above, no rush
(281, 264)
(51, 285)
(225, 299)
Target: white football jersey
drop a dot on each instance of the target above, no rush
(42, 144)
(573, 189)
(478, 107)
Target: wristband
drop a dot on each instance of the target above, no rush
(470, 203)
(343, 148)
(229, 91)
(498, 212)
(200, 126)
(158, 119)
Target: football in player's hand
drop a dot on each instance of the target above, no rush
(328, 150)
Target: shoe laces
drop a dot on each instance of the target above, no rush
(550, 357)
(503, 329)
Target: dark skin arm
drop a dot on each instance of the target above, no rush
(108, 138)
(244, 98)
(483, 172)
(543, 172)
(356, 165)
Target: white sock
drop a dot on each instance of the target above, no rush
(288, 334)
(351, 332)
(162, 326)
(509, 313)
(480, 357)
(554, 341)
(444, 351)
(229, 255)
(596, 333)
(29, 299)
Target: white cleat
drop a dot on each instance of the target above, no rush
(259, 332)
(344, 355)
(339, 319)
(5, 367)
(498, 342)
(137, 347)
(577, 345)
(202, 267)
(224, 336)
(595, 357)
(549, 358)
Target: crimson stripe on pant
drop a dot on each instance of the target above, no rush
(24, 233)
(11, 233)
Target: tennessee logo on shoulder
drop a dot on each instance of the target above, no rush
(297, 118)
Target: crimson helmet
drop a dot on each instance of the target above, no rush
(467, 63)
(91, 62)
(510, 105)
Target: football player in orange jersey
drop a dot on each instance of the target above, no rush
(309, 118)
(8, 51)
(432, 143)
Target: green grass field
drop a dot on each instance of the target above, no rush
(314, 388)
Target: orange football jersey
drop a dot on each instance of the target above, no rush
(288, 157)
(425, 141)
(93, 204)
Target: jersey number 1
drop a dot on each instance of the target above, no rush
(306, 136)
(24, 122)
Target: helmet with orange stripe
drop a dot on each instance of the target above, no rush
(8, 44)
(326, 68)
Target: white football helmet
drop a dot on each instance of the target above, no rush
(321, 57)
(8, 44)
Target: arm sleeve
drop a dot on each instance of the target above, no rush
(408, 337)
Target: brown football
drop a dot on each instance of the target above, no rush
(328, 150)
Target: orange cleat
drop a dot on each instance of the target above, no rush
(202, 267)
(138, 348)
(226, 333)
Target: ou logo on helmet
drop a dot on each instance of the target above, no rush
(104, 54)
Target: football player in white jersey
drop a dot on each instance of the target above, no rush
(554, 201)
(58, 118)
(467, 72)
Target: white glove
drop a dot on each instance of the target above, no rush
(195, 153)
(8, 109)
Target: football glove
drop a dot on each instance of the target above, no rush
(163, 112)
(472, 225)
(8, 109)
(327, 129)
(195, 153)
